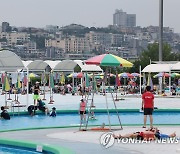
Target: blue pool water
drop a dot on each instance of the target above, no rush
(26, 121)
(13, 150)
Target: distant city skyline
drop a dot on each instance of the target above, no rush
(98, 13)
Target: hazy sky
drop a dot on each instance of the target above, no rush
(38, 13)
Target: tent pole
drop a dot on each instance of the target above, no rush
(140, 92)
(73, 81)
(44, 85)
(107, 102)
(170, 81)
(27, 84)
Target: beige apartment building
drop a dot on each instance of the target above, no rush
(70, 45)
(106, 39)
(15, 37)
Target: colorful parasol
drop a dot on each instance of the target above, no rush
(135, 74)
(32, 75)
(166, 75)
(75, 75)
(101, 75)
(125, 75)
(173, 75)
(109, 60)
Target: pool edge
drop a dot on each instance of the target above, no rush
(30, 145)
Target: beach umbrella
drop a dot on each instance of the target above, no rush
(161, 75)
(118, 83)
(62, 80)
(6, 85)
(144, 79)
(80, 75)
(109, 60)
(87, 80)
(25, 80)
(125, 75)
(101, 75)
(173, 75)
(75, 75)
(135, 74)
(149, 82)
(32, 75)
(18, 84)
(51, 81)
(43, 78)
(2, 78)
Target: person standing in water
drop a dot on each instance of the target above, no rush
(82, 111)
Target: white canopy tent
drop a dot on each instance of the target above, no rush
(163, 68)
(26, 63)
(52, 64)
(9, 61)
(157, 68)
(88, 68)
(38, 65)
(176, 67)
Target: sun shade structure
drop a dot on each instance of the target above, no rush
(176, 66)
(52, 64)
(109, 60)
(162, 67)
(9, 61)
(69, 66)
(65, 66)
(88, 68)
(26, 63)
(162, 74)
(38, 65)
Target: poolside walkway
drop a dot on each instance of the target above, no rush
(69, 102)
(87, 142)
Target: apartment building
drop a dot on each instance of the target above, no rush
(71, 44)
(15, 37)
(123, 19)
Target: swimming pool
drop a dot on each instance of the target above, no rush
(72, 119)
(14, 150)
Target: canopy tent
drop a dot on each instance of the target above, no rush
(176, 66)
(51, 63)
(38, 65)
(161, 67)
(157, 68)
(65, 66)
(9, 61)
(88, 68)
(26, 63)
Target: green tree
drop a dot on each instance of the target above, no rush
(152, 54)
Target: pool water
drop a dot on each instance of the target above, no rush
(13, 150)
(26, 121)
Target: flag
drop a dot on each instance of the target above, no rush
(18, 84)
(87, 80)
(144, 79)
(6, 85)
(118, 83)
(62, 80)
(43, 78)
(150, 83)
(51, 81)
(25, 80)
(2, 78)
